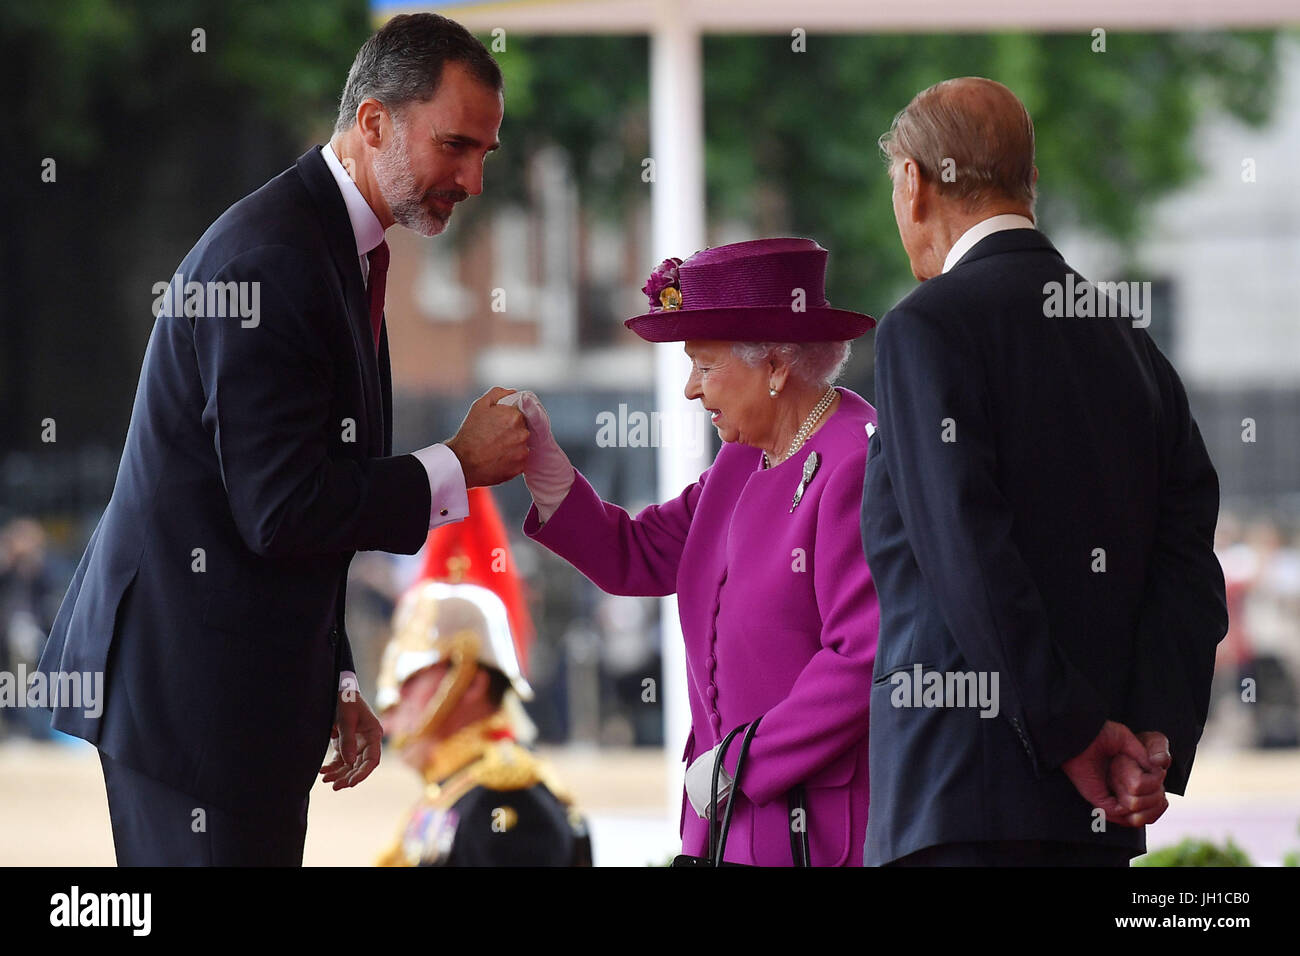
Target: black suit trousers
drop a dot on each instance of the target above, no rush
(156, 825)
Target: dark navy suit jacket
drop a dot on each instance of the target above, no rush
(1016, 453)
(265, 443)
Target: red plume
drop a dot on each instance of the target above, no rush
(477, 551)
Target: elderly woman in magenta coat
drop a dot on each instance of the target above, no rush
(778, 610)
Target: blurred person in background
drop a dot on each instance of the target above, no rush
(778, 609)
(258, 461)
(629, 656)
(29, 594)
(1272, 618)
(1234, 657)
(376, 579)
(450, 696)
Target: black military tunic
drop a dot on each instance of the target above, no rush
(498, 810)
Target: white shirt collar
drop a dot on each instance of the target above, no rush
(366, 227)
(982, 230)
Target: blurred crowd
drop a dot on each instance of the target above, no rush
(594, 654)
(1257, 675)
(32, 582)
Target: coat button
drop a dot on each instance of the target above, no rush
(711, 692)
(334, 635)
(710, 662)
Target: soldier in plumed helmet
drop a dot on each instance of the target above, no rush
(450, 692)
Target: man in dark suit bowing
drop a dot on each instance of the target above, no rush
(258, 461)
(1038, 514)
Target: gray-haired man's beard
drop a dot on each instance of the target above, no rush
(406, 202)
(412, 214)
(408, 207)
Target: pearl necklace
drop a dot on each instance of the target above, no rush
(809, 423)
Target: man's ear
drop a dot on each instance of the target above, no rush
(914, 190)
(371, 121)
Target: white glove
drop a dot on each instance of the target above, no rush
(548, 473)
(699, 783)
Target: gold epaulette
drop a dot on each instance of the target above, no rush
(505, 766)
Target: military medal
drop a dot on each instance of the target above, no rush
(810, 466)
(429, 835)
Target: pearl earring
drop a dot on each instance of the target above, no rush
(771, 391)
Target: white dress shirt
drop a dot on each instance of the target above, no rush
(448, 498)
(982, 230)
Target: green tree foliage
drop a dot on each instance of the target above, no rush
(152, 139)
(588, 95)
(792, 136)
(1196, 853)
(83, 64)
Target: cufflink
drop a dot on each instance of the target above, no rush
(443, 512)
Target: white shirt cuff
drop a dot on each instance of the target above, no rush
(448, 499)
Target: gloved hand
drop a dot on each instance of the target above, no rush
(699, 783)
(548, 472)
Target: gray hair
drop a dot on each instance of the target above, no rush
(813, 363)
(974, 127)
(402, 63)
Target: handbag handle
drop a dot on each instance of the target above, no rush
(714, 852)
(799, 851)
(713, 791)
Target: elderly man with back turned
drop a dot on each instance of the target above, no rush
(1038, 515)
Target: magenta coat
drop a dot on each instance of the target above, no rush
(779, 618)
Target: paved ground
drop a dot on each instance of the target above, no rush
(53, 811)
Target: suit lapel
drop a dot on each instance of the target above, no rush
(376, 393)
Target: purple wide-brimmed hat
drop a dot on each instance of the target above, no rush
(764, 290)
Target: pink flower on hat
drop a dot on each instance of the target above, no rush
(662, 279)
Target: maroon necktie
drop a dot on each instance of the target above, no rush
(378, 278)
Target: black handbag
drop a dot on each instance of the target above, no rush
(718, 833)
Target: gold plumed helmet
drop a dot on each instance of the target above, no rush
(463, 624)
